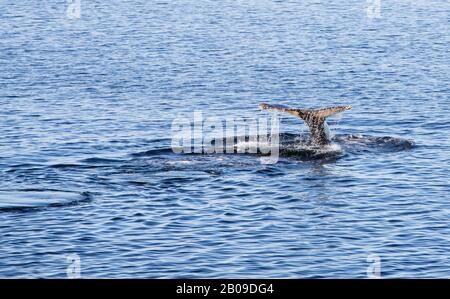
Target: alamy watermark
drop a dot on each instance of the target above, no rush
(196, 134)
(373, 9)
(73, 270)
(374, 268)
(73, 9)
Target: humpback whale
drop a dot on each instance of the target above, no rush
(314, 118)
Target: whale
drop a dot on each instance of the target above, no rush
(314, 118)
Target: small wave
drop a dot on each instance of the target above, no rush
(183, 162)
(63, 165)
(26, 166)
(96, 160)
(153, 152)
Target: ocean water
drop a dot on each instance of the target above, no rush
(89, 183)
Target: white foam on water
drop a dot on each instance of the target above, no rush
(246, 145)
(182, 162)
(333, 147)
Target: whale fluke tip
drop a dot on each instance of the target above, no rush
(263, 106)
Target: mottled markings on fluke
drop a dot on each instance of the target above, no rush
(314, 118)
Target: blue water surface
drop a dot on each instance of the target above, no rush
(86, 111)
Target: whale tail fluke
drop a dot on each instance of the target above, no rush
(314, 118)
(325, 112)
